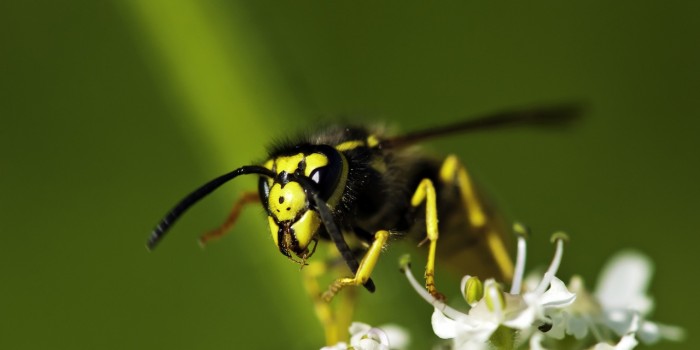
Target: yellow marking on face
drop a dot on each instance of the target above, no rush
(348, 145)
(286, 202)
(372, 141)
(269, 164)
(273, 228)
(305, 228)
(314, 161)
(288, 163)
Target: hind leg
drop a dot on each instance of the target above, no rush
(453, 172)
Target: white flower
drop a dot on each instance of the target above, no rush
(471, 330)
(542, 303)
(365, 337)
(627, 342)
(616, 310)
(549, 314)
(493, 308)
(621, 292)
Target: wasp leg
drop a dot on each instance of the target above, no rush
(335, 320)
(453, 171)
(363, 271)
(245, 198)
(426, 192)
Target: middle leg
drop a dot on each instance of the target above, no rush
(426, 193)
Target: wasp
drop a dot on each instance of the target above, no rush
(359, 189)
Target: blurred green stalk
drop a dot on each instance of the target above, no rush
(208, 56)
(213, 61)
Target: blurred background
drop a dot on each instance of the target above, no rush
(111, 111)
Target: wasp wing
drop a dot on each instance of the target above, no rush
(550, 116)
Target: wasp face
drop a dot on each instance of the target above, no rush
(293, 219)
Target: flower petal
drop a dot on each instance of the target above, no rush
(359, 328)
(577, 326)
(476, 333)
(651, 332)
(557, 296)
(443, 327)
(398, 337)
(521, 320)
(536, 342)
(558, 321)
(469, 344)
(623, 283)
(339, 346)
(620, 321)
(673, 333)
(626, 343)
(370, 344)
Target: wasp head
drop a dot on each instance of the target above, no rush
(292, 215)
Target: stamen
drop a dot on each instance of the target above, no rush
(522, 232)
(495, 301)
(472, 289)
(448, 311)
(628, 341)
(634, 324)
(559, 237)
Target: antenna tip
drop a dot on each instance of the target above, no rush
(153, 239)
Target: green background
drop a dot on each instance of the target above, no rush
(110, 111)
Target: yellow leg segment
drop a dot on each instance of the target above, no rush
(452, 166)
(426, 192)
(475, 212)
(364, 271)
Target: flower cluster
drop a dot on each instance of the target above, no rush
(538, 312)
(544, 313)
(366, 337)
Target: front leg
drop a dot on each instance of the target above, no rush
(364, 271)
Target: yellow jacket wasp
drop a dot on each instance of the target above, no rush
(355, 183)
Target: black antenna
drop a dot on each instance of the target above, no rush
(336, 236)
(172, 216)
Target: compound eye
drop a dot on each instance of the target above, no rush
(264, 189)
(327, 177)
(317, 174)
